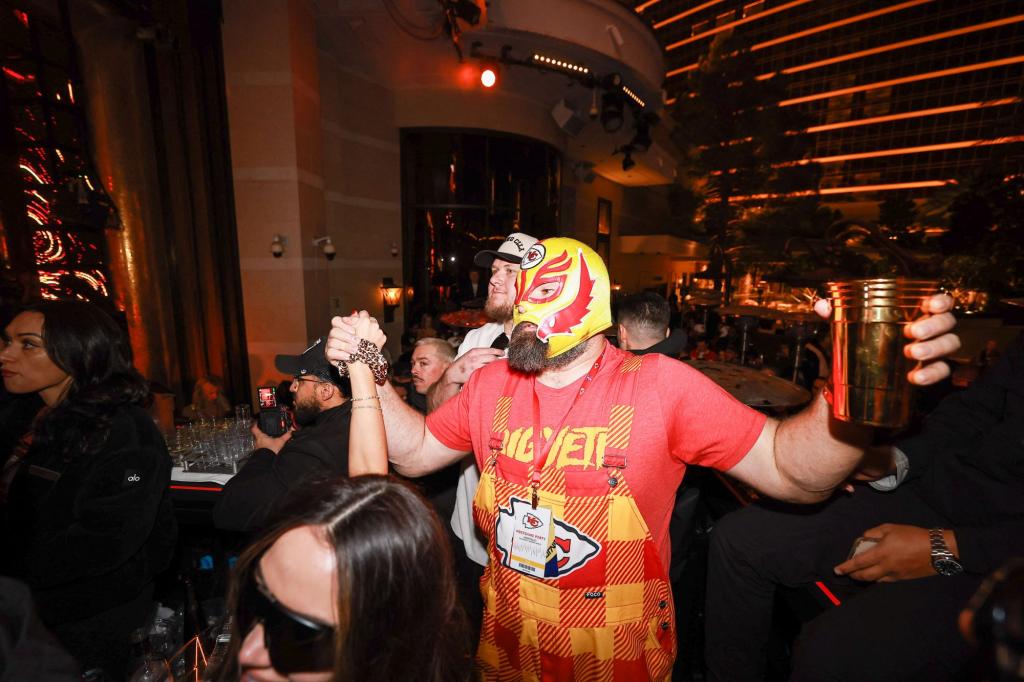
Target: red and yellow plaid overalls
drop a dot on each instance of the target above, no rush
(613, 621)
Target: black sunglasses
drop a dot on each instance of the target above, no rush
(296, 643)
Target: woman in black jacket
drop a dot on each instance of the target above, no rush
(87, 520)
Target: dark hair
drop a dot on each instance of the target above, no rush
(87, 344)
(399, 616)
(646, 311)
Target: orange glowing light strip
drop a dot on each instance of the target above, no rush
(738, 22)
(919, 184)
(819, 29)
(31, 172)
(914, 114)
(17, 76)
(639, 9)
(683, 15)
(897, 46)
(838, 23)
(909, 150)
(906, 79)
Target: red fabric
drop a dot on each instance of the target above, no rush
(680, 417)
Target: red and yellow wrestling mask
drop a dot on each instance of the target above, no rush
(563, 288)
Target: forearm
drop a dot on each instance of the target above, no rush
(441, 392)
(814, 452)
(406, 433)
(367, 442)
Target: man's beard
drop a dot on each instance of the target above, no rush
(527, 353)
(306, 412)
(500, 313)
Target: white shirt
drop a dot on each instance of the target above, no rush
(469, 478)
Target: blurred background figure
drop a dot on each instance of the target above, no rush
(426, 329)
(643, 321)
(309, 599)
(208, 400)
(88, 523)
(994, 623)
(702, 352)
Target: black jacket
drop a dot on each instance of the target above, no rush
(91, 533)
(673, 345)
(252, 496)
(968, 464)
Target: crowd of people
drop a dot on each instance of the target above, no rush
(508, 517)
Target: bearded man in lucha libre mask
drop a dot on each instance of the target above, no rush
(563, 300)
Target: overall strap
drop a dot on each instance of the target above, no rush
(620, 415)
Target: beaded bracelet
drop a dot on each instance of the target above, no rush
(367, 407)
(369, 397)
(368, 354)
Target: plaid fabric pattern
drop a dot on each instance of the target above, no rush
(611, 618)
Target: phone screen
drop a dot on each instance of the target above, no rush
(267, 396)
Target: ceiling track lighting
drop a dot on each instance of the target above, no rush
(633, 96)
(545, 61)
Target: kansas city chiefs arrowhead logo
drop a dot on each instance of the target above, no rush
(533, 256)
(569, 551)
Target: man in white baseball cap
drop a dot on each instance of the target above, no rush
(481, 346)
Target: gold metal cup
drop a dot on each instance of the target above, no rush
(869, 368)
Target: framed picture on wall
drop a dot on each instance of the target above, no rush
(603, 243)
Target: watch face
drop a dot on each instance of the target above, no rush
(947, 567)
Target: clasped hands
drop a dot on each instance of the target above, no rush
(343, 339)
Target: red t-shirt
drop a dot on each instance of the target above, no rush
(680, 417)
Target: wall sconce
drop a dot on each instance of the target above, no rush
(277, 245)
(328, 247)
(392, 295)
(394, 249)
(616, 287)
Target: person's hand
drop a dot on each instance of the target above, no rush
(458, 372)
(262, 440)
(902, 553)
(931, 334)
(366, 327)
(343, 339)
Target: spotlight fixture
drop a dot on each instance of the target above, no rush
(553, 62)
(627, 160)
(489, 76)
(277, 246)
(612, 106)
(641, 141)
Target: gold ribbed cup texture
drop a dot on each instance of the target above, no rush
(869, 368)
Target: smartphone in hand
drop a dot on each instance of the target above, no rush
(861, 544)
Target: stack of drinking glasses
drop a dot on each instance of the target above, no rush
(214, 445)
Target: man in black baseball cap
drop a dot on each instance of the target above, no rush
(279, 466)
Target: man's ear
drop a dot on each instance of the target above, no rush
(326, 391)
(668, 332)
(623, 338)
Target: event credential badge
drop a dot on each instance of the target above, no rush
(531, 537)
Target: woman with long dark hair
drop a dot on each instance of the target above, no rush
(87, 520)
(353, 583)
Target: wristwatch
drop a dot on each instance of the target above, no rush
(943, 561)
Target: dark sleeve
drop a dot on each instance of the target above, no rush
(116, 505)
(259, 489)
(983, 549)
(962, 419)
